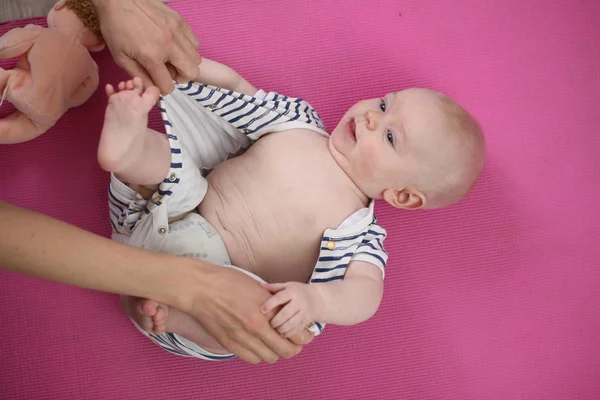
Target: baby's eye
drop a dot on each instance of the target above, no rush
(382, 105)
(390, 137)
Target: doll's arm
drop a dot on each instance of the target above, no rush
(87, 88)
(18, 41)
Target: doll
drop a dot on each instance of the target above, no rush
(55, 71)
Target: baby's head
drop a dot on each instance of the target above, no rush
(415, 148)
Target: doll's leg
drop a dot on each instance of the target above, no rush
(85, 90)
(136, 154)
(18, 128)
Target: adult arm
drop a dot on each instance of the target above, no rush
(225, 301)
(148, 39)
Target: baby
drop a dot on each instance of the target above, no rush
(251, 180)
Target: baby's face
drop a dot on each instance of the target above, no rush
(379, 141)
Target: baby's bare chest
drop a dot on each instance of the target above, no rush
(277, 200)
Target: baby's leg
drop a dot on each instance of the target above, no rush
(136, 154)
(159, 318)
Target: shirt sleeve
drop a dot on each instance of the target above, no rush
(258, 115)
(371, 248)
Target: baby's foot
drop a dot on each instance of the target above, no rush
(125, 123)
(150, 315)
(156, 314)
(157, 318)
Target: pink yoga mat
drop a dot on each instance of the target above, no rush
(494, 298)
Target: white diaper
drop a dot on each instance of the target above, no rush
(195, 237)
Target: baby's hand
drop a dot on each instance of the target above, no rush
(300, 302)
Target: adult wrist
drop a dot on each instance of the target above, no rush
(189, 285)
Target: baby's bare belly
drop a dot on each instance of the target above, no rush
(273, 204)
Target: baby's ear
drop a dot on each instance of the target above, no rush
(407, 199)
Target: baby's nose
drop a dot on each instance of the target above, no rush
(372, 120)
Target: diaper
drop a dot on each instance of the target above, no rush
(195, 237)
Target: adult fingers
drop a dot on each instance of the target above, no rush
(303, 337)
(172, 71)
(278, 344)
(161, 77)
(244, 343)
(189, 33)
(250, 347)
(186, 60)
(133, 68)
(239, 349)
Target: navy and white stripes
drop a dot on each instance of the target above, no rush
(339, 249)
(255, 115)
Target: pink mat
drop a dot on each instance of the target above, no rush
(495, 298)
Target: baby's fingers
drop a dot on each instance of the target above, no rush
(273, 287)
(292, 326)
(275, 301)
(286, 314)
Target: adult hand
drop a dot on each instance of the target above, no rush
(225, 301)
(228, 306)
(148, 39)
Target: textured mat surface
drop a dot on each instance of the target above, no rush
(495, 298)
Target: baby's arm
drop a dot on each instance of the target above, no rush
(220, 75)
(350, 301)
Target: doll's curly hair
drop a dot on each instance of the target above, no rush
(86, 11)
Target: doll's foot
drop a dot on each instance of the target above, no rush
(125, 124)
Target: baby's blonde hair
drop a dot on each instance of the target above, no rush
(448, 182)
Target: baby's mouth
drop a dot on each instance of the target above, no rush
(351, 129)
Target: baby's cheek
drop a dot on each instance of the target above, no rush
(370, 159)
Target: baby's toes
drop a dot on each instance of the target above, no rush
(110, 90)
(159, 319)
(146, 324)
(148, 308)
